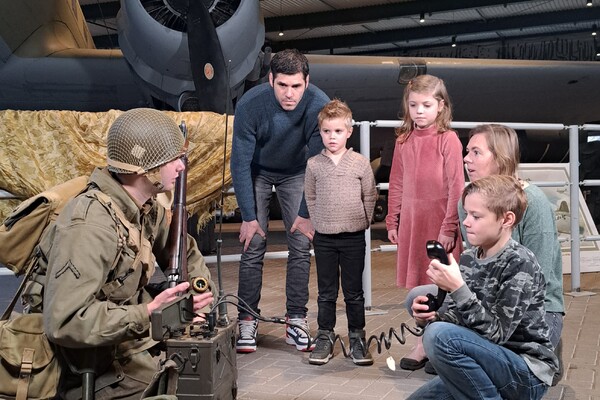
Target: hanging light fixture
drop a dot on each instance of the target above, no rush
(454, 41)
(422, 17)
(280, 34)
(594, 29)
(588, 3)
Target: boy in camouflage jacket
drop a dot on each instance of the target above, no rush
(493, 340)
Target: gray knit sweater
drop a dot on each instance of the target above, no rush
(340, 198)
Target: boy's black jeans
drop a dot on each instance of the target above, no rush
(341, 254)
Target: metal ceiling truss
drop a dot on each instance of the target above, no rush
(105, 11)
(446, 30)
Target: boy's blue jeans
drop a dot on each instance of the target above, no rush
(341, 254)
(290, 191)
(471, 367)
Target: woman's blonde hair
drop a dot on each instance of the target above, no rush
(503, 144)
(425, 84)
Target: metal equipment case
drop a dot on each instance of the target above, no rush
(209, 364)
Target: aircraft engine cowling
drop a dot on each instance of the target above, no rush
(153, 39)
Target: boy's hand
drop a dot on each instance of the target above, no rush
(447, 277)
(305, 226)
(419, 308)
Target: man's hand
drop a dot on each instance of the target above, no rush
(419, 308)
(447, 277)
(305, 226)
(248, 230)
(166, 296)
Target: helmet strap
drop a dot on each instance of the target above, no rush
(154, 177)
(126, 167)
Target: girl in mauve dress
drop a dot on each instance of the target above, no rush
(426, 182)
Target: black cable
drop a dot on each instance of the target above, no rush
(381, 339)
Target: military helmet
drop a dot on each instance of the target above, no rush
(142, 139)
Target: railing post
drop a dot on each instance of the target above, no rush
(574, 196)
(365, 150)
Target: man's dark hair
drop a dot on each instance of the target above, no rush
(289, 62)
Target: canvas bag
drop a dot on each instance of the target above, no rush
(30, 369)
(21, 231)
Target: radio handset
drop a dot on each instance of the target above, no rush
(436, 251)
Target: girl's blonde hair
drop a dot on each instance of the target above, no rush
(425, 84)
(503, 143)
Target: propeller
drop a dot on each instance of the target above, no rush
(209, 70)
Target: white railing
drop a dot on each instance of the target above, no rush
(573, 185)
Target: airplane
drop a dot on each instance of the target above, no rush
(178, 55)
(48, 61)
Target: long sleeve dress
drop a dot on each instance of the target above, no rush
(426, 182)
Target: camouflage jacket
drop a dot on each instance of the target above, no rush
(503, 301)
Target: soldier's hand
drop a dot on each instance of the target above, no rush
(166, 296)
(200, 301)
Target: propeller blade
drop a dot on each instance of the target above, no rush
(209, 70)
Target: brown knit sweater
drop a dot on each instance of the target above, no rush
(340, 198)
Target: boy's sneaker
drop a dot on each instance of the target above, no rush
(323, 350)
(296, 336)
(246, 341)
(358, 349)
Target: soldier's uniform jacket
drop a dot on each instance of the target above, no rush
(94, 300)
(503, 300)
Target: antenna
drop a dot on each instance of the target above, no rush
(223, 319)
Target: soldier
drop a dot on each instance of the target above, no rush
(95, 304)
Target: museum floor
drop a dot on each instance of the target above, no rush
(278, 371)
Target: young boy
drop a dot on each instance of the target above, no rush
(340, 194)
(493, 340)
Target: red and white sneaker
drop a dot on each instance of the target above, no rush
(296, 334)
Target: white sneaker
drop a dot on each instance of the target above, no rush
(246, 341)
(296, 334)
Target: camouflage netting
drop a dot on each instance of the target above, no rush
(40, 149)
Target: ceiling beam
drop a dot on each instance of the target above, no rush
(446, 30)
(366, 14)
(399, 48)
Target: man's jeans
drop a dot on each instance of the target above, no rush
(340, 254)
(290, 191)
(471, 367)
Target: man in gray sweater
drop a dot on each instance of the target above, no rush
(275, 132)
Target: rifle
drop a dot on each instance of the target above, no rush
(177, 241)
